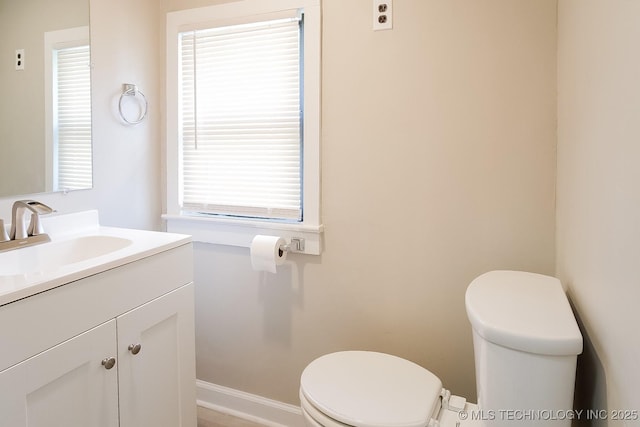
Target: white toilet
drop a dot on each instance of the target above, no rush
(526, 341)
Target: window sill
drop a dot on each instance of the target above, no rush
(239, 232)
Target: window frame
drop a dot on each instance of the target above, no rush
(240, 231)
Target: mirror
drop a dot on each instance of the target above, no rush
(45, 102)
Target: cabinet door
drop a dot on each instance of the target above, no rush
(157, 379)
(65, 386)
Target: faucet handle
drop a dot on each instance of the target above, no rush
(35, 226)
(4, 237)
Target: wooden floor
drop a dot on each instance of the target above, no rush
(209, 418)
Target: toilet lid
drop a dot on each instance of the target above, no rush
(368, 389)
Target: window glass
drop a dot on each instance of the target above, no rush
(72, 118)
(241, 118)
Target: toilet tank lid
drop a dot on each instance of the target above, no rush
(523, 311)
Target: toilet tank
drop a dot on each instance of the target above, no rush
(526, 341)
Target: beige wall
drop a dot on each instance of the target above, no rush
(127, 47)
(598, 236)
(438, 165)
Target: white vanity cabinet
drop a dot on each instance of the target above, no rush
(152, 341)
(64, 386)
(115, 349)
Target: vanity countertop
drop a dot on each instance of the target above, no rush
(79, 247)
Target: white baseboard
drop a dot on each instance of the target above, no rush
(248, 406)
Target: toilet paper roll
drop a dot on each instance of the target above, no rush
(266, 254)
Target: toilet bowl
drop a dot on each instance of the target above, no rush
(370, 389)
(526, 342)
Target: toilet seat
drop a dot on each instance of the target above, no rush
(369, 389)
(315, 418)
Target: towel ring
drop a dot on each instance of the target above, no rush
(129, 89)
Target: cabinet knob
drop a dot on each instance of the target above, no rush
(135, 348)
(109, 362)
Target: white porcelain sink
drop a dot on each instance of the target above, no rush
(54, 255)
(79, 247)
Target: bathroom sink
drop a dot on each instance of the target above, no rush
(79, 247)
(57, 254)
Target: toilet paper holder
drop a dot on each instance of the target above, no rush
(295, 245)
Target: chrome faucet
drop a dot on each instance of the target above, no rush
(18, 229)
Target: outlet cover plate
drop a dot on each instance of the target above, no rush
(19, 59)
(382, 15)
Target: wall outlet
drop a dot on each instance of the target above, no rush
(382, 15)
(19, 59)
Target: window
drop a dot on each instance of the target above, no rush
(68, 112)
(243, 121)
(72, 119)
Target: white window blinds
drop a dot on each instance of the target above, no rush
(241, 121)
(72, 118)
